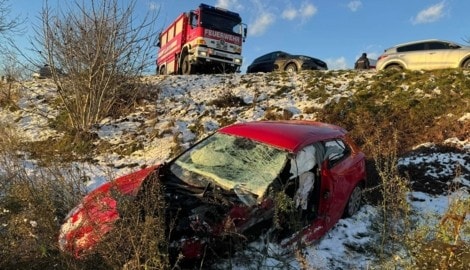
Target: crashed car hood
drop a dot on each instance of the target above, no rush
(87, 223)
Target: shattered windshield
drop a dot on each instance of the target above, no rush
(230, 162)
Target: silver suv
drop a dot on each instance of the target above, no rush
(425, 54)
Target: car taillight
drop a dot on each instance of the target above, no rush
(382, 56)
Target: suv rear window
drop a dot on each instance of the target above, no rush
(438, 46)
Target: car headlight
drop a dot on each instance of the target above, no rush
(73, 211)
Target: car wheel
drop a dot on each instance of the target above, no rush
(186, 68)
(466, 64)
(354, 202)
(291, 67)
(394, 68)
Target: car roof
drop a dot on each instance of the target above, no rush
(423, 40)
(273, 52)
(290, 135)
(277, 52)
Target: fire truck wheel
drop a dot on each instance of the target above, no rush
(186, 66)
(162, 71)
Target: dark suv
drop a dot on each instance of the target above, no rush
(425, 54)
(282, 61)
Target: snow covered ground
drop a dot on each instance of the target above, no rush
(185, 109)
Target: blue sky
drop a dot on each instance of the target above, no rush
(334, 31)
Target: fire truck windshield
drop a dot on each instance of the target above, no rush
(221, 22)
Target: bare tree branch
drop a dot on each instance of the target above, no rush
(103, 49)
(8, 26)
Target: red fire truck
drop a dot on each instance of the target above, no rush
(205, 40)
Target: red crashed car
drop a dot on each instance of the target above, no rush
(227, 184)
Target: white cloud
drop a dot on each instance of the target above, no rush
(154, 6)
(354, 5)
(304, 12)
(229, 4)
(338, 63)
(430, 14)
(267, 18)
(289, 14)
(307, 10)
(263, 21)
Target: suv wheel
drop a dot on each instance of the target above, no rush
(466, 64)
(394, 68)
(291, 67)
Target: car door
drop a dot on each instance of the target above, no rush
(339, 175)
(412, 55)
(442, 55)
(265, 63)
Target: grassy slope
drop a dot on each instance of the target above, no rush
(389, 109)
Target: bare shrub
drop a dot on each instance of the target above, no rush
(434, 244)
(453, 220)
(139, 239)
(96, 52)
(33, 202)
(444, 245)
(9, 94)
(273, 113)
(10, 67)
(227, 99)
(394, 190)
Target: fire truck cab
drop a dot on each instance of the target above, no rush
(205, 40)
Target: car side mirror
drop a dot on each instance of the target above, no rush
(158, 44)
